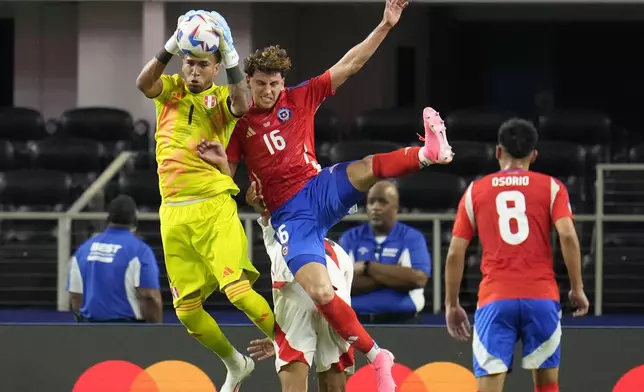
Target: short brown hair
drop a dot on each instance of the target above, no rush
(269, 60)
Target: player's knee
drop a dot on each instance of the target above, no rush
(332, 383)
(188, 313)
(238, 293)
(321, 294)
(360, 173)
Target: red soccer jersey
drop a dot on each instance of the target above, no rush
(278, 145)
(513, 213)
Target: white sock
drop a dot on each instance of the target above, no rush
(424, 162)
(373, 353)
(235, 361)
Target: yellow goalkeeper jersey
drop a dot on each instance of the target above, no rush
(183, 119)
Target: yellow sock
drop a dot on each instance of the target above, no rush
(254, 305)
(204, 328)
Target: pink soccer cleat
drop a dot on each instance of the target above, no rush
(437, 149)
(382, 365)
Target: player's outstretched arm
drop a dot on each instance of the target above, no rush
(357, 57)
(149, 80)
(239, 96)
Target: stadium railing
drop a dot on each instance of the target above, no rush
(64, 223)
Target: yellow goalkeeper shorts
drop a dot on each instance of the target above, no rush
(205, 246)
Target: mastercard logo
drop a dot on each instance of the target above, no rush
(124, 376)
(180, 376)
(433, 377)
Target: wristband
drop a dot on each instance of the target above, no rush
(234, 75)
(164, 56)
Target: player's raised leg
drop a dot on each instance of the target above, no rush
(367, 171)
(226, 252)
(219, 238)
(191, 283)
(311, 273)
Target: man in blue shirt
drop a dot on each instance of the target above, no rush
(114, 276)
(392, 263)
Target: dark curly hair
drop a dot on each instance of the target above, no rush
(518, 137)
(268, 60)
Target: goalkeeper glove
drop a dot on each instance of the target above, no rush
(172, 46)
(229, 55)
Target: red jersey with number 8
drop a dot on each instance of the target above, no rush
(278, 145)
(513, 213)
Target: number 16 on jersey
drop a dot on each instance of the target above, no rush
(274, 142)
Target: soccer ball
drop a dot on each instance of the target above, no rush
(196, 37)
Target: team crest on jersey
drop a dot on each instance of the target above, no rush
(209, 101)
(284, 250)
(283, 114)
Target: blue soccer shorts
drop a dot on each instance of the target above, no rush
(499, 325)
(304, 220)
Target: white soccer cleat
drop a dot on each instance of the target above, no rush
(237, 375)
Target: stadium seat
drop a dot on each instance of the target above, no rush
(636, 154)
(7, 155)
(327, 127)
(105, 124)
(67, 154)
(586, 128)
(143, 187)
(431, 191)
(395, 125)
(472, 159)
(560, 159)
(355, 150)
(576, 126)
(35, 188)
(475, 124)
(21, 124)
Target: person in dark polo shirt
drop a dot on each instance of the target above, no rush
(114, 276)
(392, 262)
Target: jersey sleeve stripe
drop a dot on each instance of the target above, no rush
(469, 205)
(554, 189)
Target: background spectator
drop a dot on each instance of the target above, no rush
(392, 263)
(114, 277)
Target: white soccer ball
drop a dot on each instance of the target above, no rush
(196, 37)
